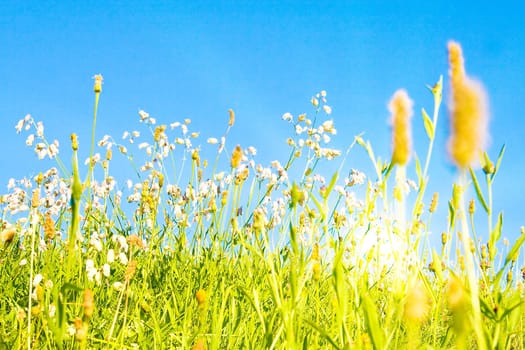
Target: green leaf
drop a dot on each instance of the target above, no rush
(318, 205)
(510, 309)
(429, 125)
(322, 332)
(331, 185)
(375, 330)
(478, 191)
(418, 171)
(495, 236)
(513, 252)
(498, 162)
(360, 141)
(452, 214)
(436, 262)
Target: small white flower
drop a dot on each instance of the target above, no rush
(287, 117)
(339, 189)
(111, 256)
(40, 129)
(38, 278)
(29, 140)
(212, 140)
(52, 310)
(118, 286)
(11, 184)
(23, 262)
(19, 126)
(71, 330)
(123, 258)
(327, 109)
(106, 270)
(143, 115)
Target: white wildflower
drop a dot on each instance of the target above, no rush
(30, 139)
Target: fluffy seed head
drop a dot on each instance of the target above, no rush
(201, 296)
(49, 227)
(468, 112)
(417, 305)
(400, 106)
(7, 234)
(236, 157)
(88, 305)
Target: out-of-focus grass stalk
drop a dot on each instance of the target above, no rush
(468, 125)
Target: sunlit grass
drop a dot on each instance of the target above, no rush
(208, 249)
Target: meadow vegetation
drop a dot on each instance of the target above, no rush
(227, 253)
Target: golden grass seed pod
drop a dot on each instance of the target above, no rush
(236, 157)
(8, 234)
(97, 88)
(88, 303)
(231, 113)
(201, 297)
(400, 106)
(468, 112)
(434, 202)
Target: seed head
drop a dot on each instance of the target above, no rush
(88, 305)
(201, 297)
(195, 157)
(444, 238)
(315, 252)
(400, 106)
(417, 304)
(74, 141)
(35, 199)
(236, 157)
(49, 227)
(434, 202)
(231, 121)
(8, 234)
(199, 345)
(130, 270)
(98, 83)
(468, 112)
(471, 207)
(316, 271)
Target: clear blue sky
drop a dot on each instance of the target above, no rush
(197, 59)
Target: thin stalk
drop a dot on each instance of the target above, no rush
(97, 89)
(31, 272)
(469, 262)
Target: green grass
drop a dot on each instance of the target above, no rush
(253, 256)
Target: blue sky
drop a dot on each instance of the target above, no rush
(197, 59)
